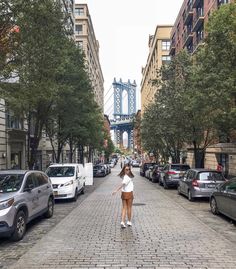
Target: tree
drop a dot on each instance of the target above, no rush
(9, 34)
(75, 118)
(181, 114)
(219, 66)
(38, 58)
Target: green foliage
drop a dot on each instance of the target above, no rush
(53, 90)
(195, 100)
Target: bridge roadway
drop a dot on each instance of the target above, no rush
(165, 234)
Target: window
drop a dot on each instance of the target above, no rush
(166, 59)
(221, 2)
(165, 44)
(13, 121)
(30, 182)
(80, 44)
(229, 186)
(41, 179)
(79, 12)
(79, 28)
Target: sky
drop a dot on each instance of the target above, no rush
(122, 28)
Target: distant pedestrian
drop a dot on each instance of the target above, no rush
(126, 187)
(219, 167)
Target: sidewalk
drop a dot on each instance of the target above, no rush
(164, 235)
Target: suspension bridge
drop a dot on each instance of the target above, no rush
(122, 117)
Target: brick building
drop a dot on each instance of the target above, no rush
(188, 33)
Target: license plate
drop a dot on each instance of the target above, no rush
(55, 193)
(211, 185)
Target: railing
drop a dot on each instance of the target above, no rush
(187, 33)
(199, 40)
(196, 3)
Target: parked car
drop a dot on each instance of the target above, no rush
(199, 183)
(112, 164)
(67, 180)
(24, 195)
(99, 170)
(156, 173)
(171, 174)
(148, 172)
(108, 168)
(223, 199)
(135, 163)
(143, 168)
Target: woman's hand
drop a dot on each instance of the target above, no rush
(114, 192)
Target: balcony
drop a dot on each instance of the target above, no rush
(188, 15)
(172, 48)
(188, 36)
(198, 42)
(198, 19)
(196, 3)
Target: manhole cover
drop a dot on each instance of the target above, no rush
(138, 204)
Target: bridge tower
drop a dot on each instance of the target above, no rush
(123, 122)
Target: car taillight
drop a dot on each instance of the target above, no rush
(171, 173)
(195, 183)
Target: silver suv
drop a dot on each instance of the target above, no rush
(24, 195)
(171, 174)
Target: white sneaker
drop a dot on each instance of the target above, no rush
(123, 225)
(129, 223)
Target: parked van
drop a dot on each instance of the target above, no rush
(67, 179)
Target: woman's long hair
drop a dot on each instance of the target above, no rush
(122, 172)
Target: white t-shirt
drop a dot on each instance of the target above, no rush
(128, 184)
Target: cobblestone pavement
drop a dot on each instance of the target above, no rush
(10, 251)
(201, 209)
(164, 235)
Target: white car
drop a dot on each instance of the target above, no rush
(67, 179)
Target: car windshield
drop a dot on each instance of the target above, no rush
(97, 167)
(180, 167)
(10, 183)
(61, 171)
(216, 176)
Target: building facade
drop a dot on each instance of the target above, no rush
(68, 7)
(189, 28)
(86, 39)
(188, 33)
(14, 133)
(159, 45)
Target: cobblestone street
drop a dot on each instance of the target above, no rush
(164, 234)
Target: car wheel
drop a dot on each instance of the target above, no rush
(165, 185)
(214, 207)
(19, 226)
(50, 210)
(74, 199)
(190, 197)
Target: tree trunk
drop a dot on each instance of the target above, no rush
(90, 157)
(81, 154)
(199, 156)
(71, 151)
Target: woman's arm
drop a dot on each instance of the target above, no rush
(119, 188)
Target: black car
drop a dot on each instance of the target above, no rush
(156, 173)
(99, 170)
(223, 199)
(144, 167)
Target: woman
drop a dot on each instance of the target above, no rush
(127, 197)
